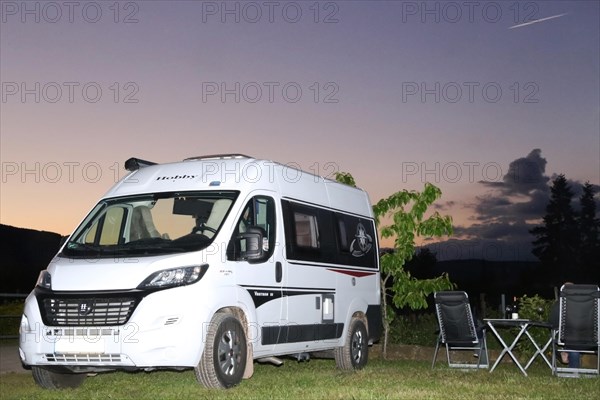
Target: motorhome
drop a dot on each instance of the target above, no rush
(211, 263)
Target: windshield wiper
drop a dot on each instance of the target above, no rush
(77, 250)
(149, 245)
(83, 246)
(145, 243)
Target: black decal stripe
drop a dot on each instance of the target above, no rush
(300, 333)
(248, 287)
(263, 294)
(298, 293)
(336, 266)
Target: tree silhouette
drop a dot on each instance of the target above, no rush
(557, 239)
(589, 229)
(422, 265)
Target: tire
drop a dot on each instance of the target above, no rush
(53, 380)
(353, 355)
(224, 358)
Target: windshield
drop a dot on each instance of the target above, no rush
(154, 224)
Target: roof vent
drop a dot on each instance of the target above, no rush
(134, 164)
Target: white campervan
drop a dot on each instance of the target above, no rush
(210, 263)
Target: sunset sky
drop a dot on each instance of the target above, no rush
(487, 100)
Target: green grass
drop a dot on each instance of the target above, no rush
(318, 379)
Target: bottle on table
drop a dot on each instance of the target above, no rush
(515, 309)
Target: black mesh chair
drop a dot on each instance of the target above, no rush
(458, 330)
(578, 327)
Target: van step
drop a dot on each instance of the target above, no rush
(273, 360)
(302, 357)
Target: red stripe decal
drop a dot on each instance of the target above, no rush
(358, 274)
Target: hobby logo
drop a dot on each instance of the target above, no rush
(172, 178)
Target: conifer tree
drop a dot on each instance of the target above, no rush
(557, 240)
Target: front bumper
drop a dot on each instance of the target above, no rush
(166, 330)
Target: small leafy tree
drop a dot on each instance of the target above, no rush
(407, 211)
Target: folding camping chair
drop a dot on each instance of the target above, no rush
(578, 327)
(458, 331)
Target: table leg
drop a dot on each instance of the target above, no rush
(539, 351)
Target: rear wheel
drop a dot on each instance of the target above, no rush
(224, 358)
(355, 352)
(55, 380)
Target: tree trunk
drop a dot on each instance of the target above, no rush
(384, 320)
(482, 306)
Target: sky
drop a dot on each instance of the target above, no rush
(487, 100)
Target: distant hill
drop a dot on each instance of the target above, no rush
(25, 252)
(492, 278)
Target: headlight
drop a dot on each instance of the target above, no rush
(168, 278)
(44, 280)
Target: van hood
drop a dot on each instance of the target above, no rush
(69, 274)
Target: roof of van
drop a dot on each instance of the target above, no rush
(241, 173)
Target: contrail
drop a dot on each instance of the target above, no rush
(537, 20)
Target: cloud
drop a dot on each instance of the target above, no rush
(535, 21)
(524, 175)
(505, 214)
(444, 206)
(498, 230)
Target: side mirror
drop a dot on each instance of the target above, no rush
(248, 246)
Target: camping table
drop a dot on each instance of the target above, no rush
(524, 325)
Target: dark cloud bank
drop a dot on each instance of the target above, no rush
(504, 216)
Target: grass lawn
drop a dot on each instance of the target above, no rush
(318, 379)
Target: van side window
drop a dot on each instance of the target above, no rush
(326, 236)
(342, 234)
(306, 230)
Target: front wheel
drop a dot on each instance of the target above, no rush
(54, 380)
(224, 358)
(355, 351)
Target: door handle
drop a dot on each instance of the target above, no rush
(278, 272)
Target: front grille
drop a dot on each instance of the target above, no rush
(57, 333)
(84, 358)
(87, 311)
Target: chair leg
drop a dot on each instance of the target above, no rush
(598, 360)
(487, 356)
(553, 357)
(448, 354)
